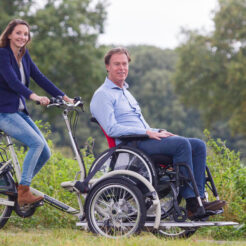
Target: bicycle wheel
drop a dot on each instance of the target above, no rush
(5, 210)
(127, 158)
(115, 208)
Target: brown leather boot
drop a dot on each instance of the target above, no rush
(25, 196)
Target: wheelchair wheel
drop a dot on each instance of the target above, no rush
(166, 201)
(115, 208)
(174, 232)
(127, 158)
(166, 197)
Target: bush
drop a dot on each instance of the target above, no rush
(229, 176)
(225, 165)
(57, 170)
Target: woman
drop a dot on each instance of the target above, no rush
(16, 68)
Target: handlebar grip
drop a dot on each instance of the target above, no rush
(76, 99)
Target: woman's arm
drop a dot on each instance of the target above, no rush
(9, 75)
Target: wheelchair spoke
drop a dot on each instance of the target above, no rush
(115, 210)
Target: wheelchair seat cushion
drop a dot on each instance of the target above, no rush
(159, 159)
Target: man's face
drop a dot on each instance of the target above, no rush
(118, 68)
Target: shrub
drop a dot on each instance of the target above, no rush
(57, 170)
(225, 165)
(229, 175)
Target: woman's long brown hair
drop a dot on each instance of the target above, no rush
(4, 40)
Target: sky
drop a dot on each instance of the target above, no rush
(155, 22)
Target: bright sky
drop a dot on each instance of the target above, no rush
(155, 22)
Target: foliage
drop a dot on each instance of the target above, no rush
(225, 166)
(210, 68)
(149, 80)
(64, 47)
(229, 175)
(57, 170)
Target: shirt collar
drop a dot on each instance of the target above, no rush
(110, 84)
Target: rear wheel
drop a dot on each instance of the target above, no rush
(127, 158)
(115, 208)
(5, 209)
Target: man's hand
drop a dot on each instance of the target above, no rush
(159, 135)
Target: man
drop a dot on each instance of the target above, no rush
(119, 114)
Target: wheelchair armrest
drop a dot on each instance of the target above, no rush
(133, 137)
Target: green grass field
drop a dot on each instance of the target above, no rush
(74, 237)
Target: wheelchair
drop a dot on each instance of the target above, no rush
(162, 174)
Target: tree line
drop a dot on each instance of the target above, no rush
(201, 84)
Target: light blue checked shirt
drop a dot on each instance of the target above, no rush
(117, 111)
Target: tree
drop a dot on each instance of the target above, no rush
(210, 71)
(149, 80)
(64, 47)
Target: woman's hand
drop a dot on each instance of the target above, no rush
(159, 135)
(67, 99)
(42, 99)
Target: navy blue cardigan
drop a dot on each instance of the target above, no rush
(11, 88)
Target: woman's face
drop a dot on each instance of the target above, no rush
(19, 37)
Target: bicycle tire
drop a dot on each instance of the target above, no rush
(5, 210)
(115, 208)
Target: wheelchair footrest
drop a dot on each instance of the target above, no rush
(211, 212)
(193, 224)
(68, 185)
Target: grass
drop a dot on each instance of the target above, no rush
(75, 237)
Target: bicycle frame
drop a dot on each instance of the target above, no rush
(79, 213)
(78, 156)
(50, 200)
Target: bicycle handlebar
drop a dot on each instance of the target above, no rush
(59, 102)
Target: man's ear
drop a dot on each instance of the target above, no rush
(107, 67)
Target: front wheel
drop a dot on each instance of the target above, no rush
(5, 210)
(175, 232)
(115, 208)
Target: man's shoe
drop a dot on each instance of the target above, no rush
(193, 209)
(215, 205)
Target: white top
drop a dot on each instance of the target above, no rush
(23, 81)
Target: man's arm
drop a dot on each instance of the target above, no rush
(102, 108)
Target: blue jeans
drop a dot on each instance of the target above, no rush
(191, 151)
(21, 127)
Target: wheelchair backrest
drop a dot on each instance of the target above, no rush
(111, 141)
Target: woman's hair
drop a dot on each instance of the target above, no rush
(113, 51)
(4, 40)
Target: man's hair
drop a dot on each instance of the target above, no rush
(113, 51)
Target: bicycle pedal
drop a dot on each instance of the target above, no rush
(33, 205)
(38, 204)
